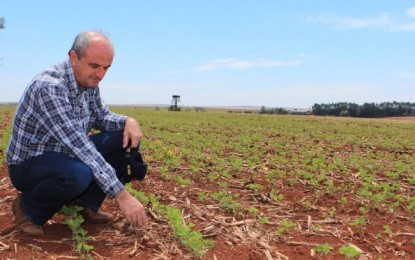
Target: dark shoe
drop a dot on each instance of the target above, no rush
(22, 221)
(96, 216)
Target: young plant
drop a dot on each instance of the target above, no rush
(183, 181)
(188, 237)
(308, 205)
(323, 249)
(263, 220)
(227, 201)
(255, 187)
(330, 214)
(253, 211)
(276, 196)
(343, 201)
(79, 235)
(202, 196)
(349, 252)
(360, 222)
(387, 229)
(285, 226)
(193, 240)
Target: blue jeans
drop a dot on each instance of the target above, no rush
(51, 180)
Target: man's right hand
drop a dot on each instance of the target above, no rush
(132, 209)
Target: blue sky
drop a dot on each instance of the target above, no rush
(270, 53)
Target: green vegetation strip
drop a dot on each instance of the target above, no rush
(7, 126)
(191, 239)
(79, 235)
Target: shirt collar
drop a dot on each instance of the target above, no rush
(72, 82)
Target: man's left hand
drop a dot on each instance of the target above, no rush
(132, 133)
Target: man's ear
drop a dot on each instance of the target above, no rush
(73, 55)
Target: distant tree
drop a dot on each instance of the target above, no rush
(385, 109)
(344, 113)
(353, 109)
(275, 110)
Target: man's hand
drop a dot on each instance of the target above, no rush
(132, 132)
(132, 209)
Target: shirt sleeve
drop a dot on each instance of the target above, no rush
(106, 119)
(57, 113)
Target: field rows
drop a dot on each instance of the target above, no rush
(328, 183)
(263, 186)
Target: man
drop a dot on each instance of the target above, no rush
(51, 158)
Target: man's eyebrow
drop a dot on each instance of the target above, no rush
(97, 65)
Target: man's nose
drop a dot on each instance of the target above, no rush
(100, 72)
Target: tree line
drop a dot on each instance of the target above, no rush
(275, 110)
(371, 110)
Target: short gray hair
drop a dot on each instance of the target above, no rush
(82, 41)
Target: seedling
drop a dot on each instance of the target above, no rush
(202, 196)
(79, 235)
(193, 240)
(349, 252)
(387, 229)
(285, 226)
(255, 187)
(323, 249)
(183, 181)
(253, 211)
(360, 222)
(263, 220)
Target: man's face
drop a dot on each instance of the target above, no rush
(90, 67)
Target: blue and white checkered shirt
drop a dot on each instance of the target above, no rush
(54, 114)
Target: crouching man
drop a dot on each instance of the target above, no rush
(51, 158)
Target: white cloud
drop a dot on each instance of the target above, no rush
(410, 75)
(245, 64)
(411, 12)
(382, 21)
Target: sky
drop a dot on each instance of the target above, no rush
(271, 53)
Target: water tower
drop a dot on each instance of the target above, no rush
(174, 101)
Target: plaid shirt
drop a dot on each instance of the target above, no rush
(54, 114)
